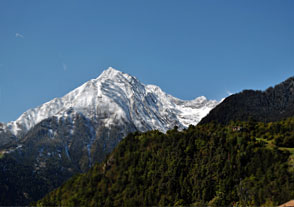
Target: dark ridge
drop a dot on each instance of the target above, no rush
(273, 104)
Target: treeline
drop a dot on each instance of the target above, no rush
(211, 164)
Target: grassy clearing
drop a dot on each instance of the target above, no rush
(291, 150)
(270, 144)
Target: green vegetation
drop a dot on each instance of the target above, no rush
(13, 177)
(242, 163)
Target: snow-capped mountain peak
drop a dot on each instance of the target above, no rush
(119, 97)
(79, 129)
(109, 73)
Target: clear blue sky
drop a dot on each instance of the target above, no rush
(188, 48)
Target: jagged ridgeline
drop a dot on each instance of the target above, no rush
(242, 163)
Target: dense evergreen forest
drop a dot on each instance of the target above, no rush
(241, 163)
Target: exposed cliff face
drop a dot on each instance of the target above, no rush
(273, 104)
(5, 135)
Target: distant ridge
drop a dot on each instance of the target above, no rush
(273, 104)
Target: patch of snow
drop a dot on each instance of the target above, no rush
(66, 152)
(7, 151)
(92, 138)
(51, 133)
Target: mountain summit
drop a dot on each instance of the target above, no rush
(118, 96)
(68, 135)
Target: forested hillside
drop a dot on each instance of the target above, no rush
(274, 104)
(244, 163)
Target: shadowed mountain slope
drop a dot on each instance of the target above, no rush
(273, 104)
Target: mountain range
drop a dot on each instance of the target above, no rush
(49, 144)
(68, 135)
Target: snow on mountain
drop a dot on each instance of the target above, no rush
(68, 135)
(118, 97)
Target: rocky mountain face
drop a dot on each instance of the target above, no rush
(273, 104)
(5, 135)
(68, 135)
(117, 96)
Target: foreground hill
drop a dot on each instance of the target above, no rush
(245, 163)
(273, 104)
